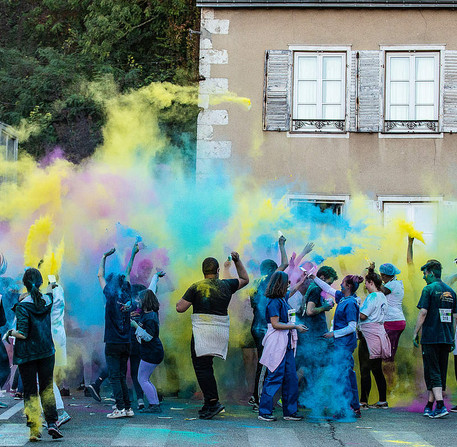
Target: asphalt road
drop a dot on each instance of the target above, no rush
(237, 426)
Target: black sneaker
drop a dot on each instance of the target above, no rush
(65, 392)
(87, 392)
(252, 401)
(94, 391)
(293, 417)
(357, 413)
(267, 417)
(54, 431)
(212, 411)
(203, 409)
(453, 409)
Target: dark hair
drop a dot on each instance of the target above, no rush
(277, 287)
(149, 301)
(33, 280)
(137, 289)
(433, 266)
(327, 272)
(210, 266)
(268, 267)
(353, 281)
(373, 276)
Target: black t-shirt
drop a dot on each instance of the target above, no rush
(117, 311)
(211, 296)
(440, 301)
(259, 306)
(317, 324)
(151, 351)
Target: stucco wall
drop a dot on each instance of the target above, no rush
(376, 166)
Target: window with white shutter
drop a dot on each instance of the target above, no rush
(412, 92)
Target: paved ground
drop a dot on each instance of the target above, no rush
(238, 426)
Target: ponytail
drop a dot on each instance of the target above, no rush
(32, 280)
(373, 276)
(353, 281)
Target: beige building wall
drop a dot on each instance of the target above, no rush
(230, 135)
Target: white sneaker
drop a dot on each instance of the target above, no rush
(117, 414)
(129, 413)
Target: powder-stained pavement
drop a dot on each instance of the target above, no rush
(238, 426)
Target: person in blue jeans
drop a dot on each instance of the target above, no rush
(117, 291)
(345, 337)
(278, 352)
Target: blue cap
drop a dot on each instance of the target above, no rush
(389, 269)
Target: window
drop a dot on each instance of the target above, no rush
(412, 92)
(422, 214)
(319, 92)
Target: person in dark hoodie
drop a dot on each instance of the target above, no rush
(118, 295)
(34, 354)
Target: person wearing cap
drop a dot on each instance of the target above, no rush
(395, 322)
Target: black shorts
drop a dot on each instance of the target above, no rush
(435, 357)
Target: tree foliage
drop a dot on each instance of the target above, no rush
(49, 48)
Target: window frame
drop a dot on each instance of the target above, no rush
(342, 200)
(320, 126)
(412, 130)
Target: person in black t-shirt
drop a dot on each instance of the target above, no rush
(117, 291)
(211, 296)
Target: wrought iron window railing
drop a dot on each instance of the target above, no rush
(318, 125)
(411, 126)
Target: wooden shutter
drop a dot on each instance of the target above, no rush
(450, 92)
(277, 90)
(365, 91)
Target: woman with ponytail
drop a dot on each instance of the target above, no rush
(374, 343)
(344, 333)
(34, 354)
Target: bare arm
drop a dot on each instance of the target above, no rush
(226, 269)
(101, 269)
(420, 321)
(312, 310)
(135, 250)
(182, 305)
(409, 251)
(15, 334)
(243, 277)
(282, 250)
(307, 249)
(284, 326)
(363, 317)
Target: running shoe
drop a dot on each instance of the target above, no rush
(116, 414)
(252, 401)
(35, 435)
(203, 409)
(94, 391)
(2, 405)
(357, 413)
(267, 417)
(140, 403)
(212, 411)
(129, 413)
(63, 419)
(65, 392)
(453, 409)
(255, 408)
(383, 405)
(152, 409)
(439, 413)
(293, 417)
(54, 431)
(364, 406)
(18, 396)
(428, 412)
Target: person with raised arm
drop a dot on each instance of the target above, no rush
(210, 299)
(259, 303)
(117, 291)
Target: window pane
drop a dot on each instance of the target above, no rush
(306, 112)
(331, 67)
(425, 113)
(331, 92)
(399, 68)
(425, 68)
(332, 112)
(399, 92)
(425, 92)
(307, 67)
(307, 93)
(399, 113)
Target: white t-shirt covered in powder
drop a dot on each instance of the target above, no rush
(394, 300)
(374, 307)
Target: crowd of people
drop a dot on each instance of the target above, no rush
(310, 364)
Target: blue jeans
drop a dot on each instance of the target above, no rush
(117, 356)
(4, 365)
(284, 375)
